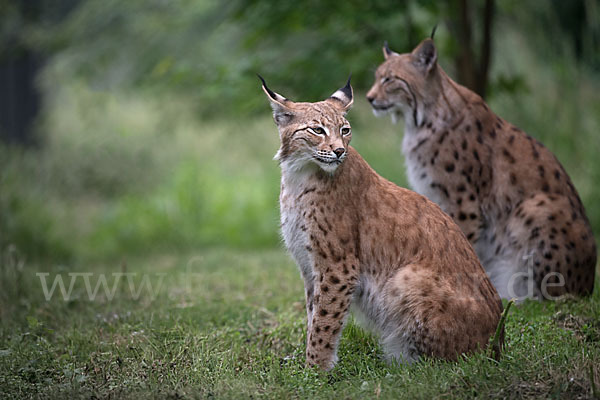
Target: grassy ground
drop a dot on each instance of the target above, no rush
(230, 324)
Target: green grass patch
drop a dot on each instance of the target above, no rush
(231, 324)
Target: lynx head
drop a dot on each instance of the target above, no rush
(312, 135)
(404, 82)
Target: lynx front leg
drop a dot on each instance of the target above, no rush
(333, 293)
(309, 287)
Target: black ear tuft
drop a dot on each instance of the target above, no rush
(387, 52)
(433, 32)
(386, 48)
(344, 96)
(282, 113)
(269, 91)
(347, 90)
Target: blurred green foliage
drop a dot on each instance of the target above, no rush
(212, 50)
(155, 135)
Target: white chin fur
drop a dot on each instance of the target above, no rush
(395, 116)
(379, 113)
(329, 168)
(305, 164)
(394, 113)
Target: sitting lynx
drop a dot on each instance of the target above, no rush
(360, 240)
(507, 192)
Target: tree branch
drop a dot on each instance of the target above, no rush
(486, 48)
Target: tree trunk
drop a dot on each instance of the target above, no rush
(486, 48)
(471, 72)
(19, 97)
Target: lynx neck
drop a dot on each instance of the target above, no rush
(447, 109)
(352, 176)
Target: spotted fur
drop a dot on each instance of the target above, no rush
(507, 192)
(359, 240)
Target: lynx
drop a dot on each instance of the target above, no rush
(507, 192)
(359, 240)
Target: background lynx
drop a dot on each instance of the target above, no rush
(507, 192)
(360, 240)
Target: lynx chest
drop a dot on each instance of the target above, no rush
(293, 209)
(422, 167)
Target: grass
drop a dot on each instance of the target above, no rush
(230, 324)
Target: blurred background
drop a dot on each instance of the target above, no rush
(139, 128)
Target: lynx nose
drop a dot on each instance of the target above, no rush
(370, 98)
(339, 151)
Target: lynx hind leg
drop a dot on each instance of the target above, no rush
(438, 315)
(404, 327)
(553, 246)
(398, 328)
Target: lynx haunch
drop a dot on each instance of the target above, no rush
(360, 241)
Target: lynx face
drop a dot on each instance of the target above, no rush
(312, 135)
(402, 82)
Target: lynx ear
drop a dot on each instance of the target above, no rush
(344, 96)
(425, 56)
(282, 113)
(387, 53)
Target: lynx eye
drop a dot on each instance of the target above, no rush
(385, 80)
(317, 130)
(345, 131)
